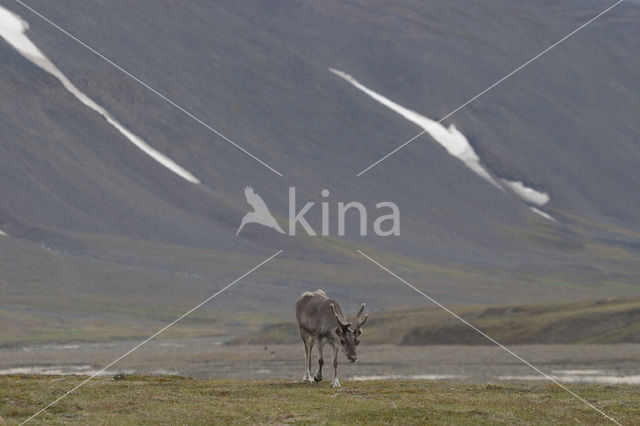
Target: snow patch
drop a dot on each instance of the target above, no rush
(578, 378)
(456, 144)
(579, 372)
(12, 28)
(77, 370)
(65, 370)
(409, 377)
(171, 345)
(3, 234)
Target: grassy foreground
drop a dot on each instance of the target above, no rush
(176, 400)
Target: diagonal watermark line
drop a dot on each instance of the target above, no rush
(479, 94)
(489, 337)
(153, 335)
(147, 86)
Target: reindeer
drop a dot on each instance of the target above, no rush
(322, 319)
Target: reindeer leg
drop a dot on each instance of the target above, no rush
(335, 383)
(307, 356)
(318, 376)
(306, 360)
(311, 341)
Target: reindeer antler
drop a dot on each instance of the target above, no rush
(360, 311)
(333, 309)
(360, 319)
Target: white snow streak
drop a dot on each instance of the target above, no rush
(543, 214)
(530, 195)
(456, 144)
(450, 139)
(2, 233)
(12, 28)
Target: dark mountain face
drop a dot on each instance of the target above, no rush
(96, 227)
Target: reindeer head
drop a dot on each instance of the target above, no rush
(348, 336)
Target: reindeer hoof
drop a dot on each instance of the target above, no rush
(335, 384)
(317, 378)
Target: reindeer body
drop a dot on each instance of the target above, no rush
(322, 320)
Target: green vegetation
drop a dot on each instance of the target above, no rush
(600, 321)
(30, 327)
(273, 334)
(176, 400)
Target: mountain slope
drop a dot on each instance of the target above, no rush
(94, 224)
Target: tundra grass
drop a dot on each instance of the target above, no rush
(597, 321)
(177, 400)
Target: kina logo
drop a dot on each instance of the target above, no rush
(384, 225)
(260, 214)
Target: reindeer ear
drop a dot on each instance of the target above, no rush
(333, 310)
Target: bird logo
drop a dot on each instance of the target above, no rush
(260, 214)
